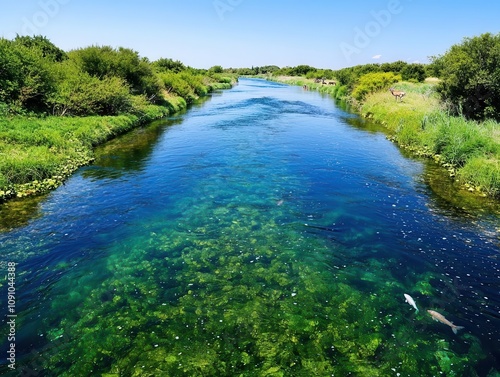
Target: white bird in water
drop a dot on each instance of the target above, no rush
(411, 301)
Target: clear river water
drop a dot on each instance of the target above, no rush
(264, 232)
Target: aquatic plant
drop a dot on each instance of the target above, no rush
(225, 290)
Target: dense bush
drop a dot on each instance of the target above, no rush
(470, 77)
(163, 65)
(414, 72)
(123, 63)
(78, 93)
(349, 76)
(25, 76)
(396, 66)
(174, 83)
(39, 78)
(195, 82)
(372, 82)
(41, 44)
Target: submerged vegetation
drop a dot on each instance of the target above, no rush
(452, 117)
(55, 106)
(232, 298)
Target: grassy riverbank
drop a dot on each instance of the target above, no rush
(470, 150)
(39, 152)
(56, 106)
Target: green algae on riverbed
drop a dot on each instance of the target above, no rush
(226, 296)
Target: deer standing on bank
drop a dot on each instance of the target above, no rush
(397, 94)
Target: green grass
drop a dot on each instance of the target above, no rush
(483, 173)
(37, 154)
(469, 149)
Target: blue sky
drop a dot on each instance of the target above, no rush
(244, 33)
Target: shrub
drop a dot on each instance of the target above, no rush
(195, 82)
(25, 76)
(470, 74)
(78, 93)
(372, 82)
(414, 72)
(123, 63)
(173, 83)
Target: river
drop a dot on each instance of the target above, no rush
(263, 232)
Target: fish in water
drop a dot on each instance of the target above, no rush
(440, 318)
(328, 229)
(280, 202)
(411, 301)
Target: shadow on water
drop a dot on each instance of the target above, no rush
(17, 213)
(451, 198)
(129, 152)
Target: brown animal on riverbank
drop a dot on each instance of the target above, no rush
(397, 94)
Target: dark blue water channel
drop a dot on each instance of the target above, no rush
(264, 232)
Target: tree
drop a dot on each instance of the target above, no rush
(124, 63)
(470, 77)
(302, 70)
(216, 69)
(46, 48)
(164, 64)
(25, 76)
(414, 72)
(396, 67)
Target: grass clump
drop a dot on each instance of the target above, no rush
(483, 173)
(469, 149)
(38, 154)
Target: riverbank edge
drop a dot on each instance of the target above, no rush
(341, 93)
(116, 126)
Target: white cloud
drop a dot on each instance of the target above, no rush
(377, 57)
